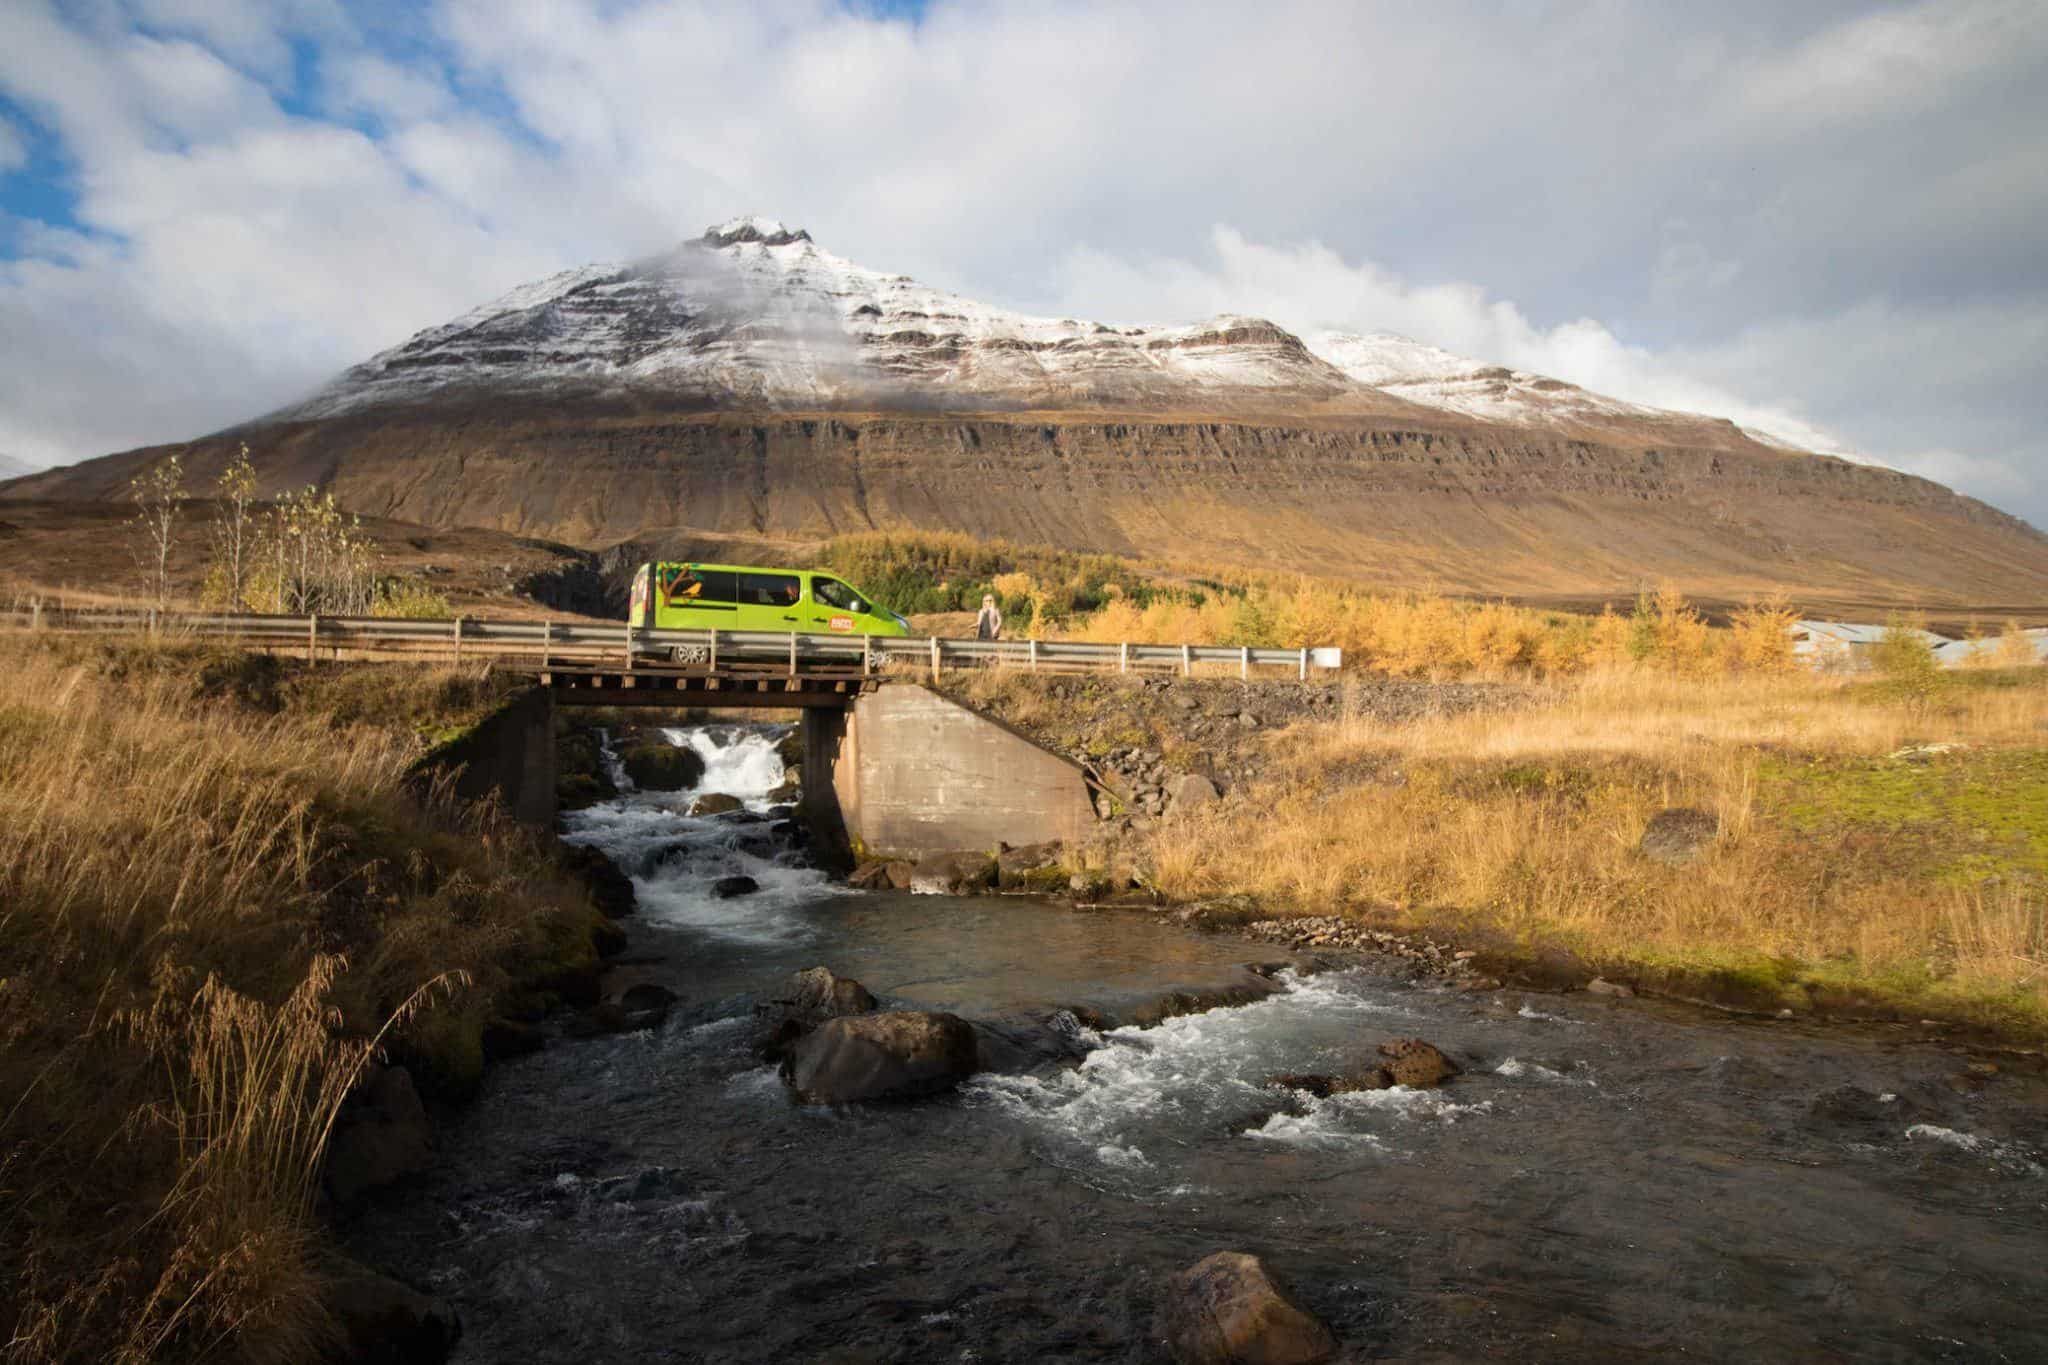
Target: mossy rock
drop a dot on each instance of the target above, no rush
(658, 766)
(574, 791)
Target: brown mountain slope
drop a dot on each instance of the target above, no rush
(1462, 507)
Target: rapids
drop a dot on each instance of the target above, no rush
(1607, 1181)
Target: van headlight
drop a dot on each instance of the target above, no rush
(901, 621)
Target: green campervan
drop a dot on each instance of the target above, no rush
(748, 597)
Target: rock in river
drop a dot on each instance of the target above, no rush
(1226, 1310)
(900, 1055)
(1416, 1064)
(385, 1320)
(806, 1000)
(954, 874)
(381, 1136)
(716, 803)
(655, 765)
(725, 888)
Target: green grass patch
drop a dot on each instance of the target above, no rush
(1958, 817)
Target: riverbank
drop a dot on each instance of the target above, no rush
(227, 896)
(1768, 843)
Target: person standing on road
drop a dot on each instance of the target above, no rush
(988, 625)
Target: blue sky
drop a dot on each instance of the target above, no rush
(1827, 217)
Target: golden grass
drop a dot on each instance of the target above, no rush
(1525, 827)
(208, 916)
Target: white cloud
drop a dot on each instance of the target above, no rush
(1825, 219)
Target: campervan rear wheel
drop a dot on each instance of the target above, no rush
(692, 654)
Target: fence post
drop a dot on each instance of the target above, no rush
(35, 614)
(313, 638)
(792, 654)
(1187, 662)
(1304, 663)
(1244, 663)
(935, 658)
(458, 640)
(1034, 654)
(1123, 657)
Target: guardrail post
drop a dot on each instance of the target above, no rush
(1034, 655)
(935, 658)
(1187, 662)
(458, 640)
(547, 641)
(313, 638)
(867, 654)
(1244, 663)
(629, 646)
(1304, 663)
(1123, 657)
(714, 649)
(35, 614)
(792, 654)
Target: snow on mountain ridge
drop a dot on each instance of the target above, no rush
(754, 313)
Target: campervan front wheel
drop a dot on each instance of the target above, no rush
(692, 654)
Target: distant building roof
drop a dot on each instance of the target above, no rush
(1853, 633)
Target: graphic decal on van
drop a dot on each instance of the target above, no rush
(843, 624)
(679, 584)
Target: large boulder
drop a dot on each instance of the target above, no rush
(384, 1321)
(725, 888)
(1191, 791)
(380, 1137)
(1226, 1310)
(806, 1000)
(961, 873)
(611, 890)
(655, 765)
(1034, 867)
(899, 1055)
(716, 803)
(1416, 1064)
(1677, 835)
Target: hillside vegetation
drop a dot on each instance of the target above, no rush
(221, 892)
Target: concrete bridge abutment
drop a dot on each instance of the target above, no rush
(903, 772)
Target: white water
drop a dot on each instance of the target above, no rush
(1145, 1092)
(675, 858)
(738, 761)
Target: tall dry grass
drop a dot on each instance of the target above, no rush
(1525, 826)
(209, 918)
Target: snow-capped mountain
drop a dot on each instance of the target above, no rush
(754, 313)
(1437, 378)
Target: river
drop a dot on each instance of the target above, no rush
(1607, 1181)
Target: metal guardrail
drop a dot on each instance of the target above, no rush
(566, 643)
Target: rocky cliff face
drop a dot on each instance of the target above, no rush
(749, 384)
(1477, 509)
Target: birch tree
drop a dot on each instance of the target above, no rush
(159, 496)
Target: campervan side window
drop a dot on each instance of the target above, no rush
(769, 589)
(684, 586)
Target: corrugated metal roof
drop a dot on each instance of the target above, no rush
(1857, 632)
